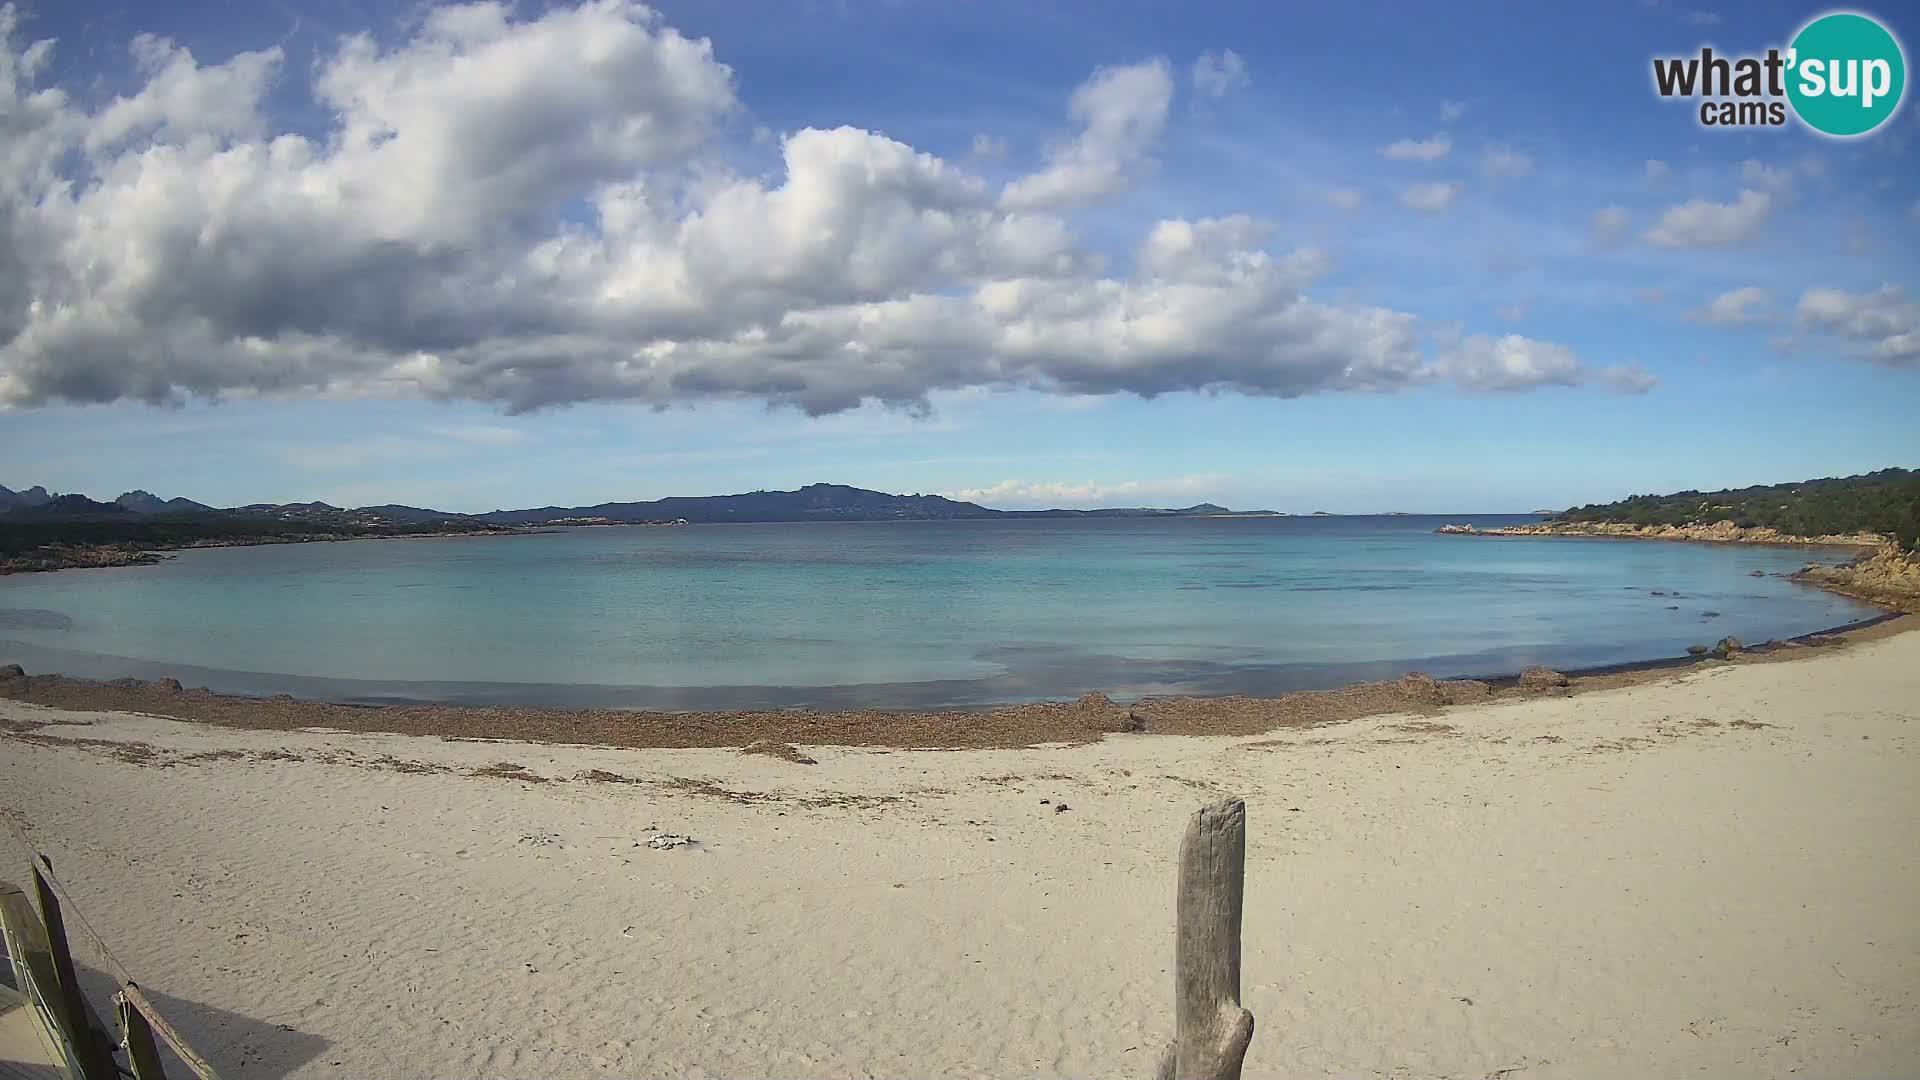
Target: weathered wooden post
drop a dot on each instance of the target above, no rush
(89, 1045)
(142, 1053)
(1211, 1030)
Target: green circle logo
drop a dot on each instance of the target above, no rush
(1845, 74)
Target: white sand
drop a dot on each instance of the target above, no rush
(1589, 887)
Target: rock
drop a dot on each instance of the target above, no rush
(1757, 573)
(1698, 650)
(1421, 688)
(12, 671)
(1537, 678)
(1457, 530)
(1673, 607)
(128, 684)
(1464, 691)
(1709, 614)
(1104, 716)
(171, 686)
(783, 751)
(1727, 647)
(281, 697)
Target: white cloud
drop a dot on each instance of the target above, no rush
(1043, 495)
(1419, 149)
(1886, 322)
(489, 435)
(1611, 221)
(1735, 308)
(532, 211)
(1703, 224)
(1122, 111)
(1350, 199)
(1628, 379)
(1216, 74)
(1430, 198)
(1506, 161)
(989, 147)
(1657, 170)
(1452, 110)
(1510, 364)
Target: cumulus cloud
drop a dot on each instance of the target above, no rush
(1766, 177)
(1885, 322)
(1121, 112)
(1506, 161)
(1216, 74)
(1041, 495)
(1419, 149)
(1510, 364)
(1611, 221)
(1735, 308)
(1430, 198)
(1703, 224)
(1345, 198)
(531, 209)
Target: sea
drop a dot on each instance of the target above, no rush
(901, 615)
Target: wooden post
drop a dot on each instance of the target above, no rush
(96, 1060)
(1211, 1030)
(141, 1050)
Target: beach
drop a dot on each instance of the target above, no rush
(1701, 871)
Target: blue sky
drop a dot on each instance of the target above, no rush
(1462, 259)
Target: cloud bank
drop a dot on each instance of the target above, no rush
(535, 211)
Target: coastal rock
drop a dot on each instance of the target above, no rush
(1421, 689)
(1757, 573)
(171, 686)
(1102, 715)
(1536, 679)
(1727, 647)
(1698, 650)
(783, 751)
(12, 671)
(1457, 530)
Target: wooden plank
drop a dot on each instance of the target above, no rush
(70, 1002)
(1211, 1030)
(165, 1033)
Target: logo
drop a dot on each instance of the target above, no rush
(1843, 74)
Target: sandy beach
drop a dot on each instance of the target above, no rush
(1709, 872)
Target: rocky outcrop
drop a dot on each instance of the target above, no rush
(1421, 688)
(1720, 532)
(1537, 679)
(1887, 577)
(1728, 648)
(12, 671)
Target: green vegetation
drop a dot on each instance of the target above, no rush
(22, 536)
(1885, 502)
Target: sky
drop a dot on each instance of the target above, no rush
(1362, 257)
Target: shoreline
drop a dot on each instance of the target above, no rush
(1724, 532)
(1089, 719)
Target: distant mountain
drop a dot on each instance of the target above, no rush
(815, 502)
(33, 496)
(144, 502)
(67, 506)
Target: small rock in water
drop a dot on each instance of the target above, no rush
(1709, 614)
(1757, 573)
(1697, 650)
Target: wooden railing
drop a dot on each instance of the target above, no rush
(43, 968)
(1211, 1029)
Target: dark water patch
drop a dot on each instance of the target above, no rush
(34, 619)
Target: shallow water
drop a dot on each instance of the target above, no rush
(908, 614)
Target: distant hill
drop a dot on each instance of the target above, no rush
(1885, 502)
(33, 496)
(143, 502)
(67, 506)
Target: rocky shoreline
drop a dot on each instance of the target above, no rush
(93, 556)
(1720, 532)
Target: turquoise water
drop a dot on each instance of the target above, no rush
(909, 614)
